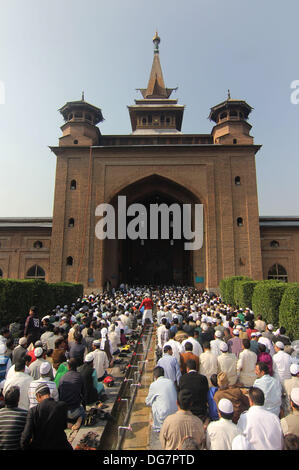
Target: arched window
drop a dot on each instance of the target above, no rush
(71, 222)
(237, 180)
(274, 244)
(1, 273)
(235, 141)
(278, 273)
(35, 272)
(240, 222)
(223, 115)
(37, 244)
(73, 185)
(69, 261)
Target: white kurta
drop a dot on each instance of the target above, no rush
(220, 434)
(208, 365)
(246, 367)
(23, 381)
(162, 397)
(272, 392)
(261, 428)
(281, 366)
(176, 348)
(228, 363)
(215, 346)
(197, 349)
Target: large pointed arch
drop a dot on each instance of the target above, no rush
(162, 261)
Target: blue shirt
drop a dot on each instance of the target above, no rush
(162, 397)
(213, 412)
(171, 367)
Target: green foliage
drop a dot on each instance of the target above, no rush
(289, 311)
(266, 300)
(227, 288)
(243, 292)
(17, 296)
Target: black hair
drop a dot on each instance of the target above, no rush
(185, 399)
(246, 343)
(191, 364)
(72, 364)
(20, 364)
(12, 397)
(188, 346)
(263, 367)
(213, 380)
(257, 396)
(158, 372)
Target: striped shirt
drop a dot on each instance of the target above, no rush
(12, 423)
(35, 383)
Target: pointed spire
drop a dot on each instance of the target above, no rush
(156, 86)
(228, 94)
(82, 96)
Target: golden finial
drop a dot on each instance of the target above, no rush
(156, 41)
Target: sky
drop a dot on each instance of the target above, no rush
(51, 51)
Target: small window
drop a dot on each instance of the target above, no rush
(71, 222)
(233, 114)
(241, 115)
(70, 117)
(223, 115)
(37, 244)
(1, 273)
(144, 121)
(234, 141)
(35, 272)
(69, 261)
(278, 273)
(162, 119)
(274, 244)
(149, 119)
(168, 120)
(240, 222)
(78, 115)
(237, 180)
(73, 185)
(75, 141)
(88, 117)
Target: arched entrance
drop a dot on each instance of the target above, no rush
(153, 261)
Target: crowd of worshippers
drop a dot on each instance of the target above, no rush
(224, 379)
(53, 366)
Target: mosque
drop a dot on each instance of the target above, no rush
(156, 163)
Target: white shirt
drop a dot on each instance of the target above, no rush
(12, 371)
(268, 344)
(261, 428)
(176, 348)
(208, 365)
(281, 366)
(215, 346)
(23, 381)
(100, 362)
(197, 349)
(246, 367)
(35, 383)
(220, 434)
(227, 363)
(272, 392)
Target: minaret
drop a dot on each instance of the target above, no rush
(80, 127)
(231, 126)
(156, 113)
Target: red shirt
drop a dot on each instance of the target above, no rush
(147, 303)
